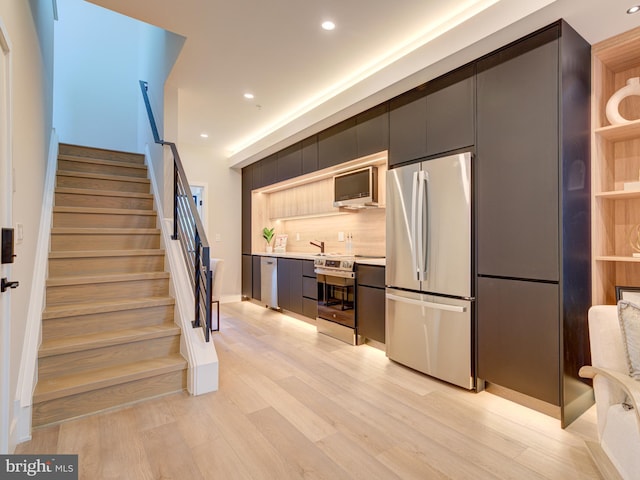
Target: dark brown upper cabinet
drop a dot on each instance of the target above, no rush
(337, 144)
(310, 154)
(372, 130)
(290, 162)
(451, 111)
(408, 126)
(269, 167)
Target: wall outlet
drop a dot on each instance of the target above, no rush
(297, 237)
(341, 236)
(19, 233)
(218, 237)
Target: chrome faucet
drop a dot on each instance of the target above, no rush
(320, 245)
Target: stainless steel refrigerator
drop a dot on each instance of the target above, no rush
(428, 269)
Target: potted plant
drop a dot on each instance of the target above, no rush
(267, 234)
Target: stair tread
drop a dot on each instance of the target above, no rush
(102, 176)
(106, 253)
(98, 161)
(105, 231)
(78, 343)
(100, 210)
(102, 193)
(105, 278)
(65, 385)
(72, 310)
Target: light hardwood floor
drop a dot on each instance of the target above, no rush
(296, 404)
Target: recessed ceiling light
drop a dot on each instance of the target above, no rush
(328, 25)
(634, 9)
(248, 96)
(204, 135)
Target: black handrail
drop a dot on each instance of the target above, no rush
(188, 229)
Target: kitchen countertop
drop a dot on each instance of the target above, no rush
(364, 260)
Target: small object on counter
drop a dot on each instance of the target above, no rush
(267, 234)
(281, 243)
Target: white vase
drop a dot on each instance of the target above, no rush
(631, 88)
(269, 249)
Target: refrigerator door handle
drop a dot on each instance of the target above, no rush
(420, 215)
(414, 214)
(424, 241)
(436, 306)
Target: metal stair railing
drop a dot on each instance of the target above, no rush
(188, 229)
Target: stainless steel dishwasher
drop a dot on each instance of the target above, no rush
(269, 281)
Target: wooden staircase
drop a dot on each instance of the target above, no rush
(108, 335)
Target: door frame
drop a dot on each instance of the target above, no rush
(6, 192)
(203, 211)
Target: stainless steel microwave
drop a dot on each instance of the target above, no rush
(356, 189)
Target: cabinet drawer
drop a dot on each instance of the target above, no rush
(309, 288)
(309, 308)
(371, 276)
(308, 268)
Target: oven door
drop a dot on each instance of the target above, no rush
(336, 299)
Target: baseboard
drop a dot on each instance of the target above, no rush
(20, 426)
(524, 400)
(231, 299)
(602, 462)
(28, 375)
(202, 376)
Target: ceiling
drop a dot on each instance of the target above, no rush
(305, 78)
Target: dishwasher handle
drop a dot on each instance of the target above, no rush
(421, 303)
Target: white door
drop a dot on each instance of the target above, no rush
(6, 193)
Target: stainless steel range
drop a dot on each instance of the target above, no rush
(336, 298)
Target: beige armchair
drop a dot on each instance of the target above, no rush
(617, 396)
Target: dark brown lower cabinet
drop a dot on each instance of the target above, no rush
(247, 276)
(370, 300)
(519, 336)
(309, 290)
(256, 286)
(290, 284)
(370, 312)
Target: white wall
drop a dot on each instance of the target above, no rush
(96, 91)
(224, 209)
(101, 57)
(32, 59)
(158, 51)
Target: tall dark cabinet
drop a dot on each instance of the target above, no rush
(533, 220)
